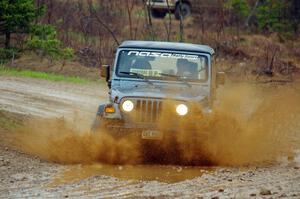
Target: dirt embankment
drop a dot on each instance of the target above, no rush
(253, 144)
(30, 61)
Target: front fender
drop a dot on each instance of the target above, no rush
(116, 115)
(101, 109)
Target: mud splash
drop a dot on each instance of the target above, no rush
(56, 140)
(251, 125)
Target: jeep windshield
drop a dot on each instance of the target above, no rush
(162, 65)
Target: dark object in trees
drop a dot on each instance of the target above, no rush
(295, 12)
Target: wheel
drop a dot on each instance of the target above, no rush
(158, 14)
(186, 11)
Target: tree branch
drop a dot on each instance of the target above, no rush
(94, 14)
(108, 29)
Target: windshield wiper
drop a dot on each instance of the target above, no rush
(138, 76)
(177, 77)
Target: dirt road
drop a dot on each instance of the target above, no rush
(23, 175)
(48, 99)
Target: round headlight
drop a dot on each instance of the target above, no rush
(127, 105)
(182, 109)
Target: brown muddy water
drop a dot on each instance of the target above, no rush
(160, 173)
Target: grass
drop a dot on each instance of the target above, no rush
(4, 71)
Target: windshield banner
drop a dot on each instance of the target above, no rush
(164, 55)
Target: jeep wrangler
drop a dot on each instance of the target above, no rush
(152, 78)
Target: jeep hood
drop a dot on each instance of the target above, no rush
(175, 92)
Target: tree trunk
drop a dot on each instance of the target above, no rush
(238, 29)
(170, 22)
(7, 40)
(181, 28)
(252, 12)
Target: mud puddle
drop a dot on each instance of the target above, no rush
(160, 173)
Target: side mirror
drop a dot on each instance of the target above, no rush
(105, 72)
(221, 78)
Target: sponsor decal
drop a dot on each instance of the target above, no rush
(164, 55)
(145, 72)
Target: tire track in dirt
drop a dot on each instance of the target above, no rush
(49, 99)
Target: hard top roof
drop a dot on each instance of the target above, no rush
(167, 46)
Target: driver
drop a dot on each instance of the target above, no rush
(141, 63)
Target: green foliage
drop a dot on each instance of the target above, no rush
(8, 53)
(44, 48)
(43, 32)
(16, 15)
(275, 16)
(139, 13)
(239, 7)
(68, 53)
(45, 43)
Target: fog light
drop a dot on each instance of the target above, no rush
(110, 109)
(128, 106)
(182, 109)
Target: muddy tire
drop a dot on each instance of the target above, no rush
(186, 11)
(158, 14)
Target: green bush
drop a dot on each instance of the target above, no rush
(8, 54)
(45, 48)
(275, 16)
(43, 32)
(239, 7)
(68, 53)
(43, 41)
(240, 10)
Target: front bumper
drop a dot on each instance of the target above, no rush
(175, 124)
(176, 132)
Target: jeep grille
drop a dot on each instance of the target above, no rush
(145, 111)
